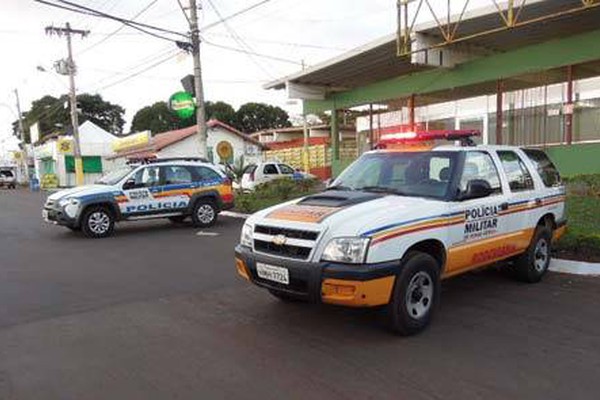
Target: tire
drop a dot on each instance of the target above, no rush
(531, 266)
(178, 219)
(204, 213)
(97, 222)
(415, 296)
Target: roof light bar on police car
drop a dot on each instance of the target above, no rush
(403, 137)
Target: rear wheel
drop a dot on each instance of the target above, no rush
(97, 222)
(415, 296)
(533, 264)
(204, 213)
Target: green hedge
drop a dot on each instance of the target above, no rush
(275, 192)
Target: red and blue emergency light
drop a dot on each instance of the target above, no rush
(411, 138)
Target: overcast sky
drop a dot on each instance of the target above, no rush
(296, 31)
(306, 31)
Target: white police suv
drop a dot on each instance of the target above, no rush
(165, 188)
(403, 217)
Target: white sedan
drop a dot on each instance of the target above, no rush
(256, 174)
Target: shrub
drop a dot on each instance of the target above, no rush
(584, 185)
(274, 192)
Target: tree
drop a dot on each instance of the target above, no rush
(220, 110)
(53, 114)
(158, 118)
(106, 115)
(254, 117)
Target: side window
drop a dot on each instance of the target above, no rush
(519, 178)
(439, 169)
(175, 174)
(479, 165)
(204, 174)
(286, 169)
(147, 177)
(544, 166)
(270, 169)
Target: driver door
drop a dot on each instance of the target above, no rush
(481, 238)
(143, 197)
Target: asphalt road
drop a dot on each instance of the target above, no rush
(157, 312)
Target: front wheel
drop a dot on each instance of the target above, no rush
(532, 265)
(97, 222)
(204, 213)
(415, 296)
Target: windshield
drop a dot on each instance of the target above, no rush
(113, 177)
(420, 174)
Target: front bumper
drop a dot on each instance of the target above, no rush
(365, 285)
(57, 216)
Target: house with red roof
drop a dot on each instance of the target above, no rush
(224, 142)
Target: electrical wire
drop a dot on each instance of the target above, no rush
(235, 14)
(248, 50)
(283, 43)
(153, 2)
(238, 50)
(148, 68)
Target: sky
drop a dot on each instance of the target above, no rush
(307, 31)
(289, 32)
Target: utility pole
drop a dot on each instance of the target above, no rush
(71, 70)
(22, 132)
(198, 86)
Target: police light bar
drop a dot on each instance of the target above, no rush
(463, 135)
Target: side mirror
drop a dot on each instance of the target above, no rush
(129, 184)
(476, 189)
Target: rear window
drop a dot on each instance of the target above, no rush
(544, 167)
(7, 174)
(250, 169)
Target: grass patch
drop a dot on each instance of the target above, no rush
(275, 192)
(582, 240)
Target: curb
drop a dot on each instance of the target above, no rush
(574, 267)
(233, 214)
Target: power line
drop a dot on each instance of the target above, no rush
(135, 25)
(156, 64)
(235, 14)
(239, 40)
(283, 43)
(238, 50)
(118, 29)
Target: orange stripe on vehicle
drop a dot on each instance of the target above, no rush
(313, 214)
(438, 223)
(464, 257)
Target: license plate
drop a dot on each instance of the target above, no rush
(273, 273)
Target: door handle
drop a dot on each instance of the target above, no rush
(538, 201)
(504, 206)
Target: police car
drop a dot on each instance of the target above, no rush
(402, 218)
(166, 188)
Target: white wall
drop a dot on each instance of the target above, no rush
(188, 147)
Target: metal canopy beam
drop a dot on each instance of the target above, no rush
(539, 57)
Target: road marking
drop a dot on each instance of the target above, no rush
(211, 234)
(234, 214)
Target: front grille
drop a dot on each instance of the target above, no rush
(299, 242)
(289, 233)
(296, 252)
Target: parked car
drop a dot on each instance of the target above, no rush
(257, 174)
(8, 178)
(395, 223)
(167, 188)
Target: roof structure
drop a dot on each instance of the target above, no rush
(166, 139)
(540, 22)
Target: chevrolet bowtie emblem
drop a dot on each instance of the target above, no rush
(279, 240)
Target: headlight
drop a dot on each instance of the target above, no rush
(68, 201)
(348, 250)
(246, 238)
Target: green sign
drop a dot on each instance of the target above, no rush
(182, 104)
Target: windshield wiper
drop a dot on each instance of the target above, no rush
(382, 189)
(339, 187)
